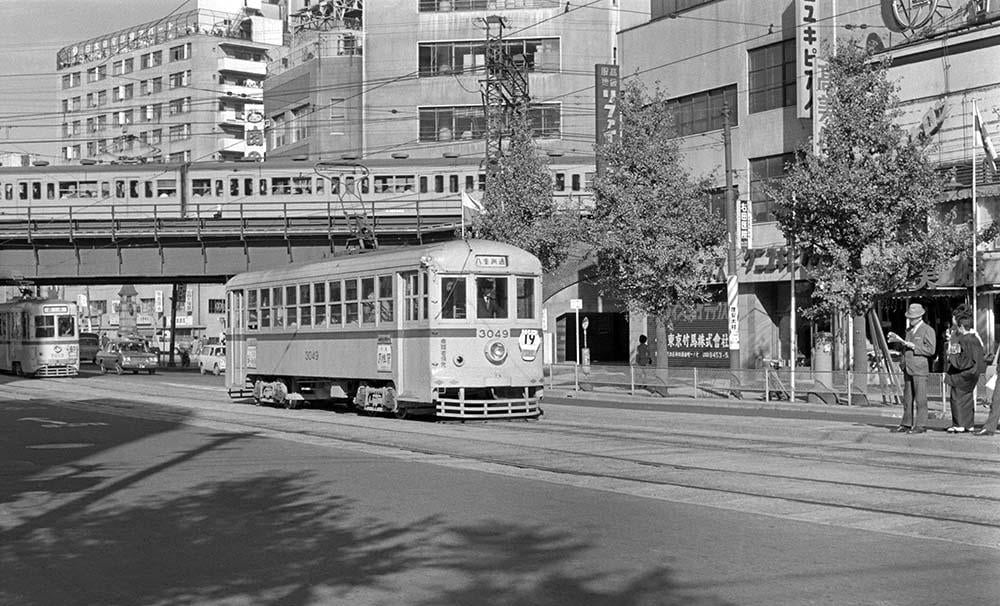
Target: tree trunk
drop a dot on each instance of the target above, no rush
(860, 357)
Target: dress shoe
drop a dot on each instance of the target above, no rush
(984, 432)
(901, 429)
(918, 430)
(955, 429)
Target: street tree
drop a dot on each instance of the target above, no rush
(519, 207)
(657, 243)
(863, 208)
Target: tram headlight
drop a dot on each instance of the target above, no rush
(496, 352)
(459, 360)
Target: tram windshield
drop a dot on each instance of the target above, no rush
(45, 326)
(491, 297)
(453, 298)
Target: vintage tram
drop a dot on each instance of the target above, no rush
(38, 337)
(452, 329)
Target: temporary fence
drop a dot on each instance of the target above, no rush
(767, 384)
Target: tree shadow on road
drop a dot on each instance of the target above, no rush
(280, 539)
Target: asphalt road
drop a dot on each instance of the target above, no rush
(134, 509)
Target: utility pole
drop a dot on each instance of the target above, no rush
(504, 91)
(732, 281)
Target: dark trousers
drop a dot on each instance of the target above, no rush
(994, 418)
(963, 407)
(914, 400)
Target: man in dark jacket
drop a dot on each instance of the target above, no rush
(918, 349)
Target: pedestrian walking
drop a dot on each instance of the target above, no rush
(966, 361)
(918, 349)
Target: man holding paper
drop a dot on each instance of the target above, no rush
(918, 349)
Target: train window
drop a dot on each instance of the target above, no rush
(319, 315)
(423, 185)
(453, 298)
(88, 189)
(525, 298)
(166, 188)
(290, 294)
(411, 296)
(439, 184)
(576, 182)
(45, 326)
(453, 184)
(219, 188)
(277, 309)
(67, 326)
(404, 184)
(247, 187)
(351, 301)
(305, 290)
(588, 180)
(305, 311)
(470, 183)
(382, 184)
(491, 297)
(201, 187)
(22, 191)
(368, 303)
(105, 189)
(149, 189)
(424, 292)
(133, 188)
(234, 187)
(265, 317)
(50, 190)
(8, 191)
(481, 184)
(363, 184)
(386, 302)
(36, 191)
(560, 181)
(265, 297)
(348, 185)
(334, 185)
(302, 185)
(292, 316)
(120, 188)
(280, 185)
(252, 309)
(320, 185)
(336, 307)
(263, 187)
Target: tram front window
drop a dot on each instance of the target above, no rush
(45, 326)
(453, 298)
(491, 298)
(67, 326)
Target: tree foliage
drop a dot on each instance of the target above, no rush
(658, 245)
(519, 207)
(864, 209)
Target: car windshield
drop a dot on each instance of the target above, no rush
(133, 347)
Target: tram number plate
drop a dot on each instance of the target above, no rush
(312, 354)
(485, 333)
(383, 357)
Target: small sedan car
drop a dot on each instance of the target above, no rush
(212, 359)
(120, 356)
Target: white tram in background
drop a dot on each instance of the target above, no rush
(39, 337)
(452, 329)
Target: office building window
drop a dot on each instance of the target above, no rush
(180, 79)
(338, 116)
(468, 122)
(180, 106)
(179, 53)
(447, 58)
(702, 112)
(179, 132)
(763, 170)
(772, 76)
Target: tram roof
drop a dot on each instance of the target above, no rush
(453, 256)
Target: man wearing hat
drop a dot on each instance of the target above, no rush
(918, 349)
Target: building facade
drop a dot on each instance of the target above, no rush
(179, 89)
(756, 58)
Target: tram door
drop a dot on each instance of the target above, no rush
(236, 363)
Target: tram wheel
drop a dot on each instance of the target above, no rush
(16, 367)
(400, 412)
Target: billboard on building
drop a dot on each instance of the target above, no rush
(699, 339)
(607, 86)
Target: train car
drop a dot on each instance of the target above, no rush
(452, 329)
(39, 337)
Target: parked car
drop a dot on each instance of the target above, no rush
(90, 344)
(212, 359)
(120, 356)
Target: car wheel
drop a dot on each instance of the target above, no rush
(216, 371)
(16, 367)
(118, 368)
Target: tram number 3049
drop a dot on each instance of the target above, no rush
(311, 354)
(485, 333)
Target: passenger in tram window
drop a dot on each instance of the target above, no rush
(491, 300)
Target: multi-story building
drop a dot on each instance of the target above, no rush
(177, 89)
(756, 57)
(403, 77)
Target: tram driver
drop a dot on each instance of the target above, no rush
(491, 298)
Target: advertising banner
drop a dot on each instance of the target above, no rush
(700, 339)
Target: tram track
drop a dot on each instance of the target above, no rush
(588, 457)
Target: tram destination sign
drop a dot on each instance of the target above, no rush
(491, 260)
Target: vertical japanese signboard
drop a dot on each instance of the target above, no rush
(744, 219)
(807, 50)
(607, 85)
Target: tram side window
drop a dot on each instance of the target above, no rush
(319, 301)
(305, 309)
(280, 185)
(292, 312)
(470, 183)
(252, 309)
(320, 185)
(45, 326)
(351, 301)
(576, 183)
(453, 184)
(8, 191)
(265, 308)
(411, 296)
(525, 298)
(36, 190)
(67, 326)
(491, 297)
(386, 301)
(201, 187)
(439, 184)
(50, 191)
(277, 308)
(453, 298)
(302, 185)
(368, 305)
(336, 304)
(423, 185)
(423, 294)
(234, 187)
